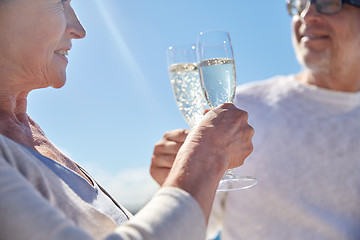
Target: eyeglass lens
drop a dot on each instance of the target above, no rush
(322, 6)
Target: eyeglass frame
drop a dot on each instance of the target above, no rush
(290, 6)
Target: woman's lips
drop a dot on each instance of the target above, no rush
(62, 54)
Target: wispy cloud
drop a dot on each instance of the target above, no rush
(132, 188)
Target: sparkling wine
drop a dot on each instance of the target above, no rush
(218, 79)
(188, 93)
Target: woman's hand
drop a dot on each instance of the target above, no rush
(226, 130)
(222, 140)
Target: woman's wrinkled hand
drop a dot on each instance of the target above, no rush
(221, 140)
(225, 130)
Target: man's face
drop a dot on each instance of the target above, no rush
(326, 43)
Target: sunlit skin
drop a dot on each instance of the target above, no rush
(33, 55)
(328, 46)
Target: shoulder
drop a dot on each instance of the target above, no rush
(17, 160)
(263, 91)
(12, 152)
(264, 85)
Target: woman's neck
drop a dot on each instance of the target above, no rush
(14, 122)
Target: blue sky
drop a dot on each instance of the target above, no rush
(118, 102)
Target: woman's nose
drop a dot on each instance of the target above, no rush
(74, 28)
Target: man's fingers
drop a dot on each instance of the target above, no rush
(166, 148)
(161, 174)
(164, 160)
(176, 135)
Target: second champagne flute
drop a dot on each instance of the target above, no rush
(185, 81)
(218, 80)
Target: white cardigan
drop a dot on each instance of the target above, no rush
(35, 203)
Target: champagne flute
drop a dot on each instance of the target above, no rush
(218, 80)
(185, 81)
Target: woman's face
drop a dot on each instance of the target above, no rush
(35, 38)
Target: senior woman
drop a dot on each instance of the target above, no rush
(44, 194)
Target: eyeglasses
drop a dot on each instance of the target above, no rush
(295, 7)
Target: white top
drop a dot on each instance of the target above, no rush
(40, 201)
(94, 194)
(307, 161)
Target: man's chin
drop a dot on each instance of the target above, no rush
(316, 62)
